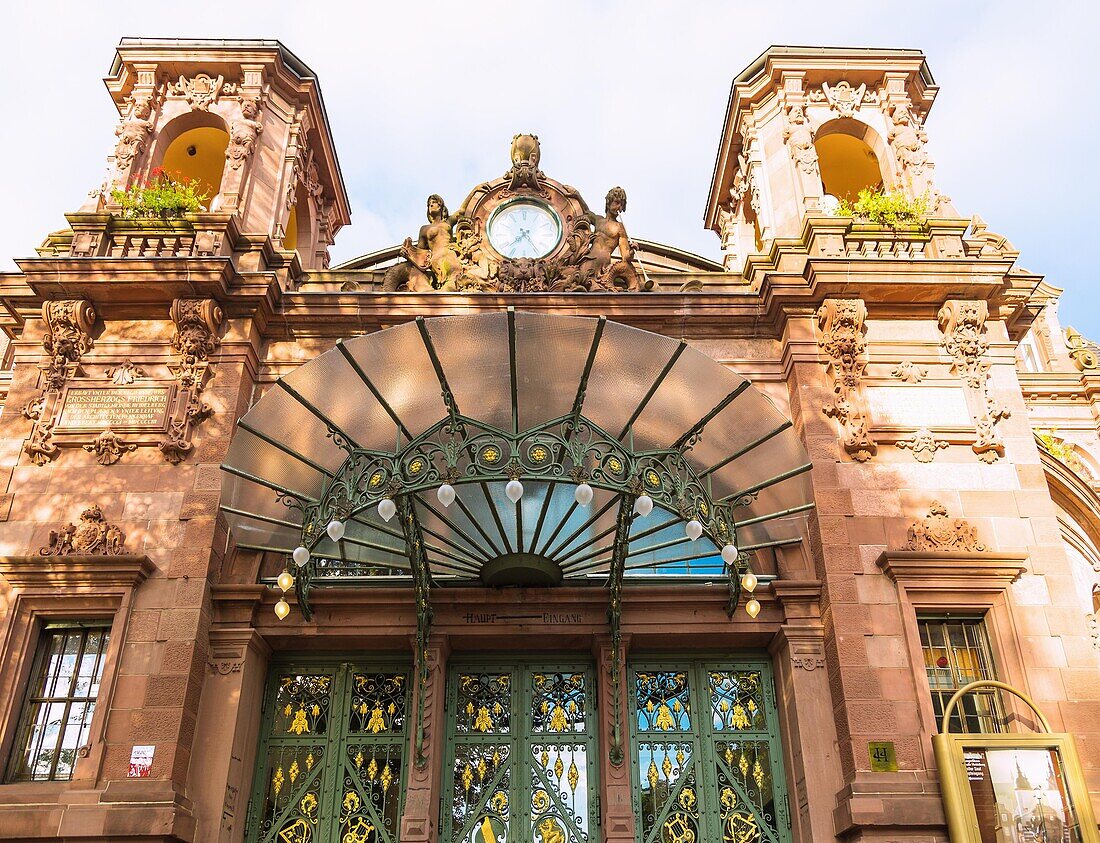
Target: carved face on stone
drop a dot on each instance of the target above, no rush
(143, 107)
(615, 203)
(437, 208)
(250, 107)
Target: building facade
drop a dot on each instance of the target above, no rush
(524, 530)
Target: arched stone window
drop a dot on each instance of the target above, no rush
(851, 157)
(193, 147)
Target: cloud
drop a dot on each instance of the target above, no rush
(425, 97)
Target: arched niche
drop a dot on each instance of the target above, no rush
(192, 146)
(298, 233)
(851, 157)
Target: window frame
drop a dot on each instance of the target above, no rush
(32, 702)
(985, 651)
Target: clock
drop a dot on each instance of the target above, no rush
(524, 229)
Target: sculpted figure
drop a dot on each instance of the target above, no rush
(433, 263)
(908, 139)
(133, 133)
(243, 132)
(800, 138)
(598, 263)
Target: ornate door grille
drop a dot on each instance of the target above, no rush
(706, 753)
(332, 756)
(521, 755)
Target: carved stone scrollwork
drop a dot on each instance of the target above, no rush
(909, 372)
(201, 91)
(92, 536)
(842, 98)
(923, 444)
(963, 325)
(198, 323)
(940, 532)
(67, 338)
(842, 328)
(1085, 356)
(133, 133)
(524, 172)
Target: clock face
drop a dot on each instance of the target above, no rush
(524, 229)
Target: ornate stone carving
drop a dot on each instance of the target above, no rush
(842, 98)
(198, 322)
(448, 257)
(124, 373)
(800, 140)
(201, 91)
(243, 132)
(939, 532)
(524, 172)
(909, 372)
(908, 138)
(1085, 355)
(92, 536)
(841, 322)
(108, 447)
(67, 338)
(133, 132)
(963, 325)
(923, 444)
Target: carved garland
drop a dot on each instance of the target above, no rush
(963, 325)
(67, 339)
(198, 322)
(842, 327)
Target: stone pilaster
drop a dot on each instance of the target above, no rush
(617, 821)
(423, 789)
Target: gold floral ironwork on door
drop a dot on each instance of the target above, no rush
(332, 759)
(520, 755)
(706, 754)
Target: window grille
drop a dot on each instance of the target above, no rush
(956, 653)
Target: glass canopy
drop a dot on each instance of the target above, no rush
(484, 402)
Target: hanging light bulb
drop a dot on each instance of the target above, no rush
(335, 529)
(514, 490)
(583, 494)
(300, 556)
(286, 580)
(729, 554)
(643, 505)
(445, 494)
(693, 529)
(749, 581)
(282, 609)
(753, 608)
(386, 509)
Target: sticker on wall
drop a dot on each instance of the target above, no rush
(141, 762)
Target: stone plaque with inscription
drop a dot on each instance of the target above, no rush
(121, 408)
(918, 406)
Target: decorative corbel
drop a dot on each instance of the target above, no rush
(842, 328)
(198, 323)
(68, 337)
(963, 325)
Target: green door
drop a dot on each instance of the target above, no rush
(521, 754)
(706, 752)
(332, 758)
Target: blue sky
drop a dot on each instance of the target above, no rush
(425, 97)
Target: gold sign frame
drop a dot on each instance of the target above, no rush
(955, 784)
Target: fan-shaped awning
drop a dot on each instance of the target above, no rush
(549, 401)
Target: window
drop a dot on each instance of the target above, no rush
(61, 696)
(956, 653)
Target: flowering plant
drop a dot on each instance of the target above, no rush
(890, 209)
(160, 196)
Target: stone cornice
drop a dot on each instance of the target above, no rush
(952, 570)
(64, 572)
